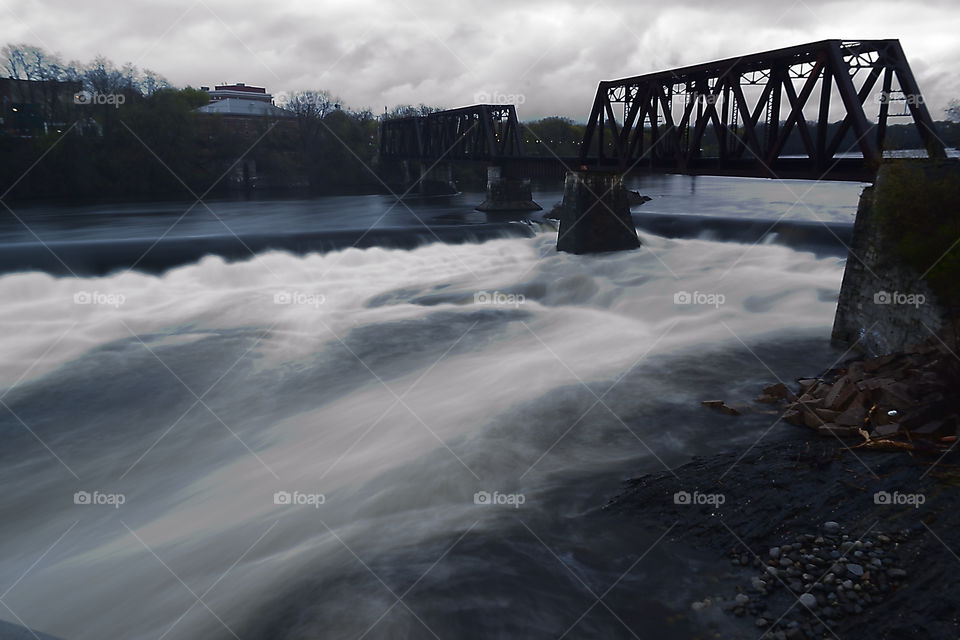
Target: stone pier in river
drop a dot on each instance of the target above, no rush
(595, 214)
(507, 193)
(902, 280)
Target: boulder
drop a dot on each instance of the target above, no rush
(721, 406)
(778, 391)
(852, 417)
(841, 394)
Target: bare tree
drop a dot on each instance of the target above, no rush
(311, 107)
(311, 104)
(16, 61)
(408, 110)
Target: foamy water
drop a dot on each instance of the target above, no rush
(383, 381)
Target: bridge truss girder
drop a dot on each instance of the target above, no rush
(480, 132)
(742, 100)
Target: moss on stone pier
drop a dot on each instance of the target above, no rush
(917, 204)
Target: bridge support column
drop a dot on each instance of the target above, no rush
(901, 279)
(436, 180)
(506, 193)
(595, 214)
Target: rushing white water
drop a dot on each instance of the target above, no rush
(387, 385)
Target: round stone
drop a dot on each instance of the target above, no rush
(808, 600)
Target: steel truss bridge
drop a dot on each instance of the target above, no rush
(741, 116)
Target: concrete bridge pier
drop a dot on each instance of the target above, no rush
(902, 279)
(507, 193)
(435, 180)
(595, 214)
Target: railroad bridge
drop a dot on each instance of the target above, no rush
(817, 111)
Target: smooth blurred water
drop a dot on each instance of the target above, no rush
(382, 379)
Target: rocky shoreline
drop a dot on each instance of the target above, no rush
(833, 531)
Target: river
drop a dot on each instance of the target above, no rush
(308, 442)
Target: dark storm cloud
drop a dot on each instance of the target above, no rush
(546, 55)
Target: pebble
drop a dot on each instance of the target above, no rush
(808, 600)
(829, 575)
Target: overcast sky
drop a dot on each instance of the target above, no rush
(546, 55)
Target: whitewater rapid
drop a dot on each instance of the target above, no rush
(383, 381)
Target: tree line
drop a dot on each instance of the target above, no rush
(121, 132)
(153, 143)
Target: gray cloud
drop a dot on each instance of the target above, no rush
(549, 54)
